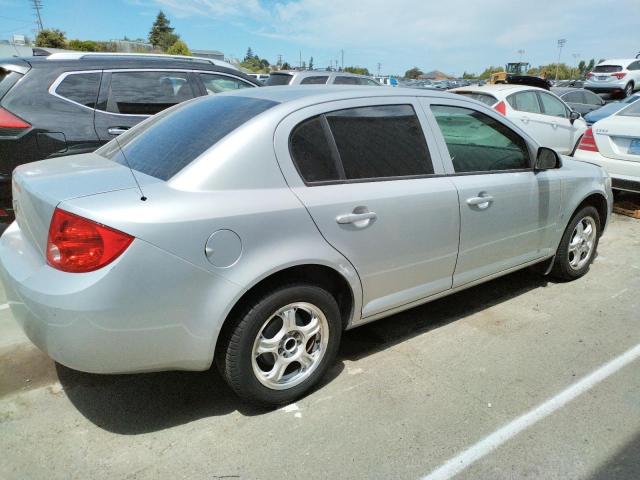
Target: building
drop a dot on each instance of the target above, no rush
(212, 54)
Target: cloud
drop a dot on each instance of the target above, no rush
(468, 32)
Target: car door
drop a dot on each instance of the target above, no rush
(527, 112)
(376, 191)
(562, 136)
(508, 212)
(127, 97)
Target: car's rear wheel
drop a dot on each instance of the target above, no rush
(578, 245)
(628, 90)
(281, 344)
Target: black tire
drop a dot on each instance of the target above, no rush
(628, 90)
(234, 353)
(562, 268)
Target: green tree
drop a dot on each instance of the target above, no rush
(357, 70)
(469, 76)
(582, 68)
(52, 38)
(311, 63)
(285, 66)
(413, 73)
(161, 32)
(179, 48)
(249, 55)
(489, 71)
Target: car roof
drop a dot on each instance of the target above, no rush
(312, 94)
(501, 87)
(618, 61)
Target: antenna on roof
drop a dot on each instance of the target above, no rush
(135, 179)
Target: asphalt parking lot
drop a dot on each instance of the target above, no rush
(408, 394)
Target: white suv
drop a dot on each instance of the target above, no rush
(621, 76)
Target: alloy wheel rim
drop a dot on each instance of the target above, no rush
(582, 242)
(629, 90)
(290, 346)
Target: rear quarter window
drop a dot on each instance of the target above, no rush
(7, 80)
(481, 97)
(171, 140)
(80, 88)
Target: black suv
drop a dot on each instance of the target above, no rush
(69, 103)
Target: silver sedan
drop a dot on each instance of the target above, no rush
(251, 229)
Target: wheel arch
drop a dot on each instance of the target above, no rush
(599, 202)
(311, 273)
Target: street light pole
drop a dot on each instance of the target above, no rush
(561, 44)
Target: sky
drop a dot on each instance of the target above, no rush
(451, 36)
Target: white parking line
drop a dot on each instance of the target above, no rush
(4, 306)
(497, 438)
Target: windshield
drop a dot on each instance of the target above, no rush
(607, 68)
(168, 142)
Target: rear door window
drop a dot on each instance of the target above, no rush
(80, 88)
(365, 143)
(479, 143)
(278, 79)
(552, 105)
(147, 93)
(380, 142)
(344, 80)
(525, 102)
(168, 142)
(317, 80)
(221, 83)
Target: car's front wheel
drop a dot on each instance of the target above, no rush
(578, 245)
(281, 344)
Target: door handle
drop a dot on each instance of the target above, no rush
(358, 219)
(117, 130)
(525, 119)
(481, 202)
(554, 124)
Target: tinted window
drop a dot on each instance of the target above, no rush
(147, 93)
(525, 102)
(607, 69)
(379, 142)
(221, 83)
(479, 143)
(166, 143)
(573, 97)
(319, 80)
(278, 79)
(592, 98)
(369, 82)
(481, 97)
(81, 88)
(552, 106)
(311, 152)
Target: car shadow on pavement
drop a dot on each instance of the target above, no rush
(141, 403)
(624, 465)
(386, 333)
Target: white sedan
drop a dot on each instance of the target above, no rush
(539, 112)
(614, 144)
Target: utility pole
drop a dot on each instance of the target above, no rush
(379, 67)
(300, 59)
(279, 60)
(561, 43)
(342, 59)
(37, 6)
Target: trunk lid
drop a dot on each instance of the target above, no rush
(40, 186)
(618, 137)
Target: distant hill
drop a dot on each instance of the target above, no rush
(435, 75)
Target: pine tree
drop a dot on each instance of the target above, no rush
(161, 31)
(249, 55)
(311, 63)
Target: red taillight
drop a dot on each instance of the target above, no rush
(9, 120)
(588, 142)
(590, 74)
(619, 75)
(79, 245)
(501, 108)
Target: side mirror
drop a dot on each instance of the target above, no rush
(573, 116)
(547, 159)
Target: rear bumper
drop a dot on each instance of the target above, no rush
(611, 88)
(146, 311)
(625, 175)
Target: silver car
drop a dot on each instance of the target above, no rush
(318, 77)
(252, 228)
